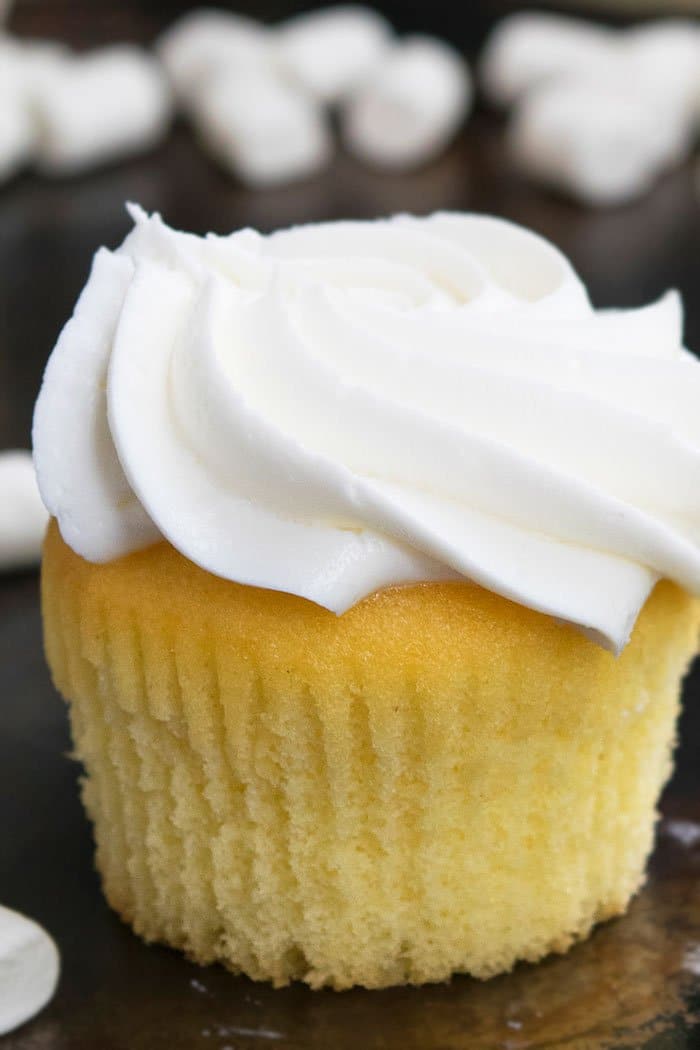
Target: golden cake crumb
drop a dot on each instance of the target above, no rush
(437, 781)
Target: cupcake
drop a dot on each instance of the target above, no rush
(369, 587)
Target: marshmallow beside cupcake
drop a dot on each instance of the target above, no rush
(29, 969)
(23, 518)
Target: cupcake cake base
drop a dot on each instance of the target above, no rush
(439, 781)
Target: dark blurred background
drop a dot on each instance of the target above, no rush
(464, 22)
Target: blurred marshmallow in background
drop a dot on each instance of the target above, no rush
(659, 64)
(224, 70)
(259, 97)
(23, 67)
(65, 113)
(527, 49)
(30, 59)
(107, 104)
(228, 79)
(29, 969)
(331, 52)
(664, 57)
(410, 106)
(23, 517)
(599, 113)
(262, 129)
(576, 135)
(207, 42)
(17, 132)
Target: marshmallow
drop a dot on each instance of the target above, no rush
(23, 518)
(17, 128)
(207, 41)
(330, 52)
(104, 105)
(23, 66)
(29, 968)
(263, 129)
(527, 49)
(664, 57)
(411, 106)
(599, 143)
(30, 61)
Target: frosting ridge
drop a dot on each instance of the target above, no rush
(332, 409)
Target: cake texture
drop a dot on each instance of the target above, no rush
(437, 781)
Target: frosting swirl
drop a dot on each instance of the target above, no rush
(332, 409)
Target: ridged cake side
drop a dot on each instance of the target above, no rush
(438, 781)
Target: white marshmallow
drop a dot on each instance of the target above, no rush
(207, 41)
(599, 143)
(29, 968)
(30, 61)
(17, 128)
(664, 57)
(263, 129)
(23, 66)
(529, 48)
(98, 107)
(412, 105)
(330, 52)
(23, 518)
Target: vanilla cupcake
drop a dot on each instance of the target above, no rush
(369, 588)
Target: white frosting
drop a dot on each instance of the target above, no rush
(337, 408)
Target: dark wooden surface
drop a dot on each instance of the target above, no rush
(636, 982)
